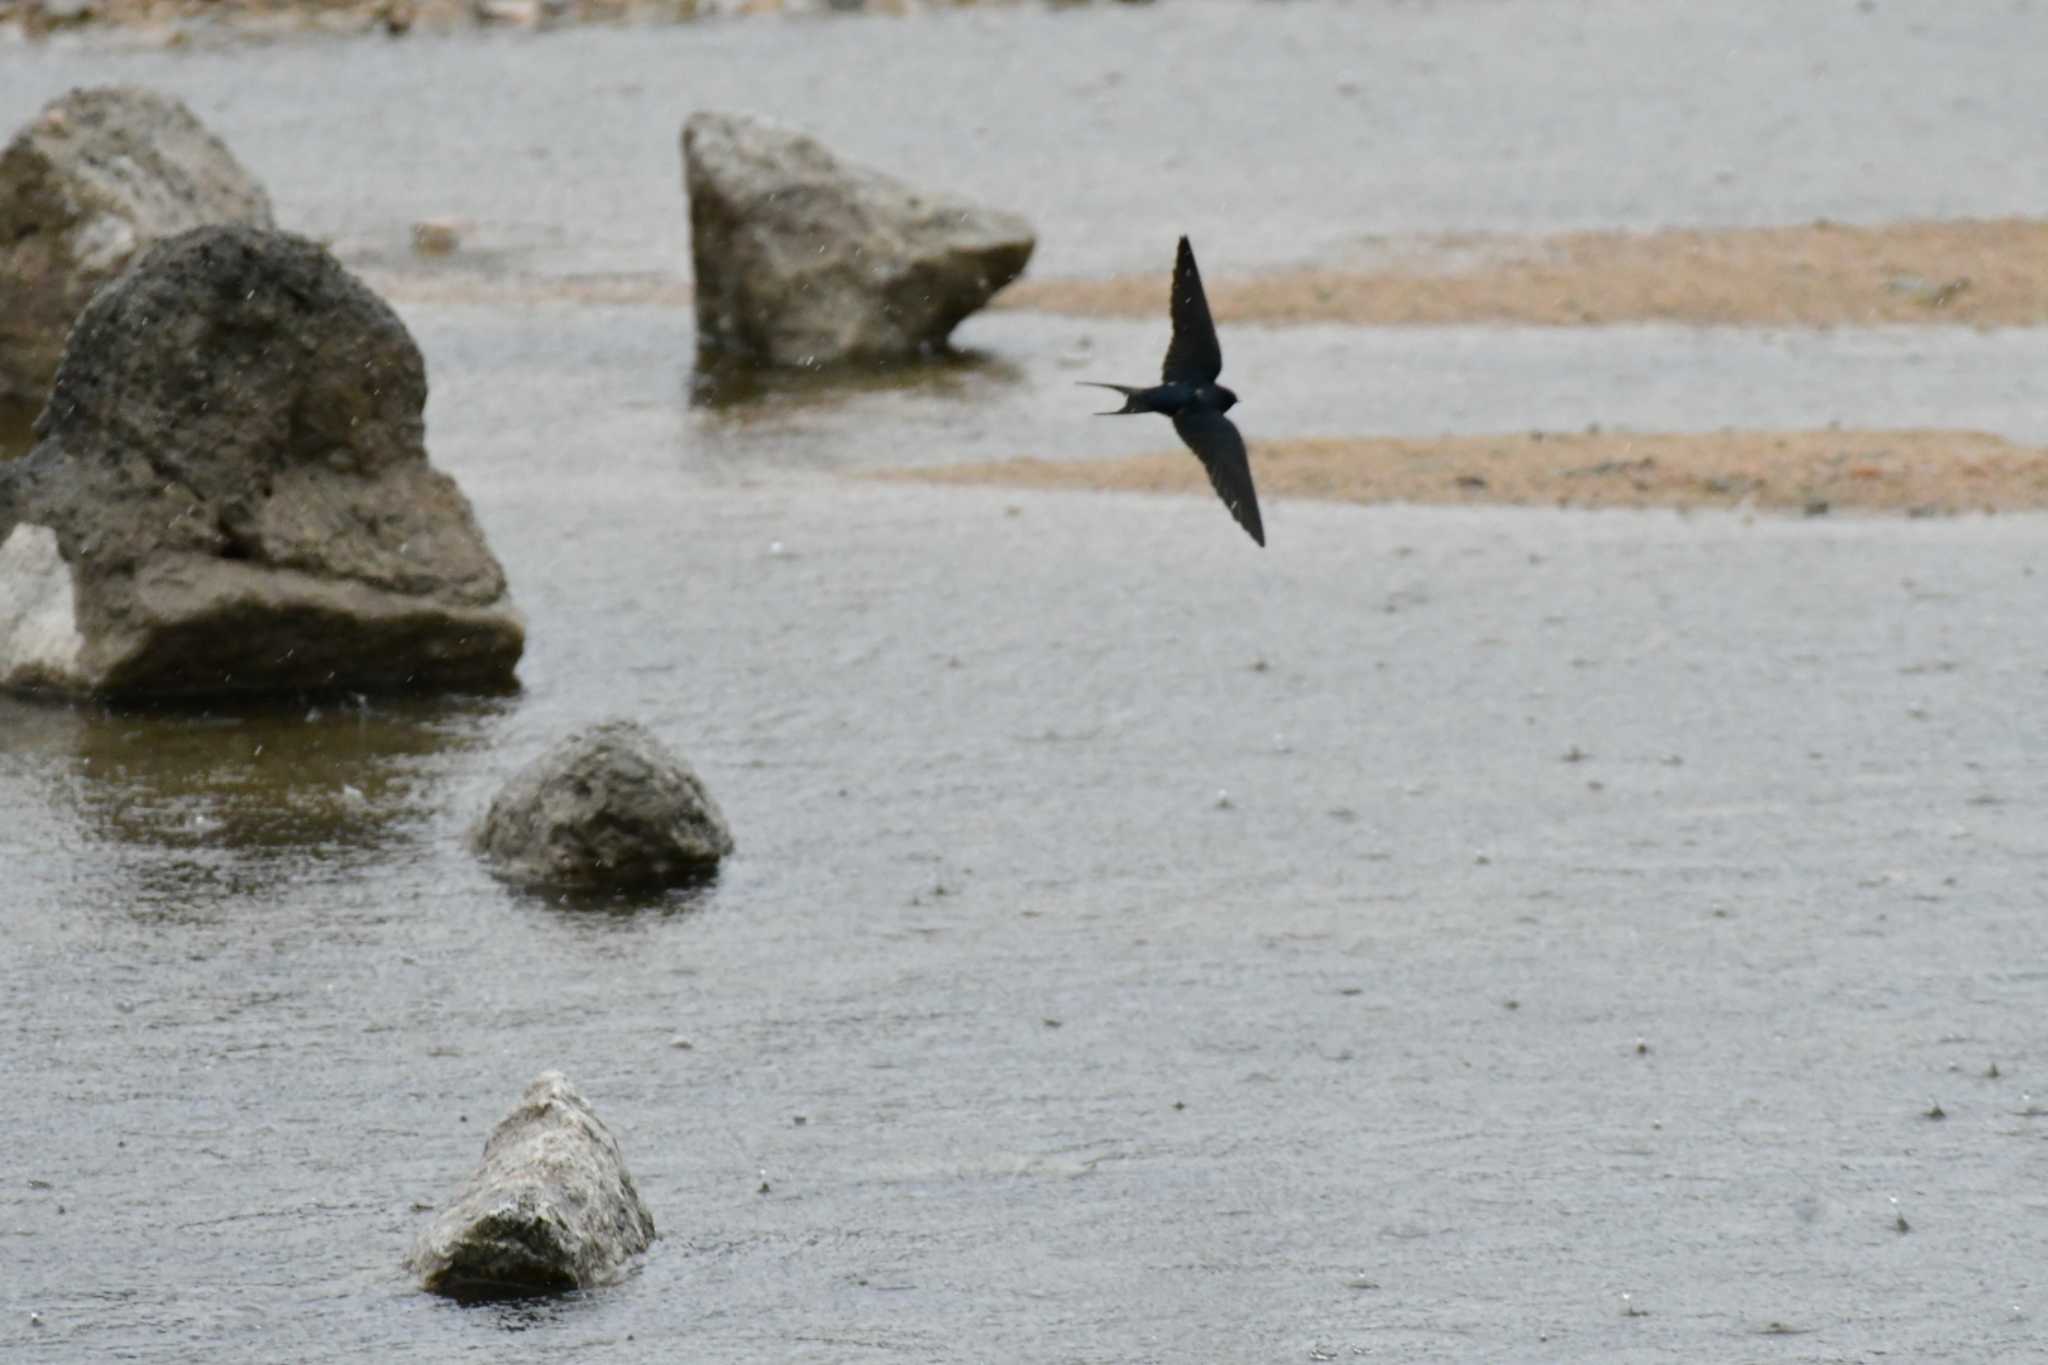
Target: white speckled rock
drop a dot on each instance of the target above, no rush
(552, 1208)
(608, 807)
(92, 181)
(39, 639)
(802, 259)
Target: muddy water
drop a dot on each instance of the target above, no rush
(1404, 942)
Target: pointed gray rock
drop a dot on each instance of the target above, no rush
(802, 259)
(230, 493)
(608, 807)
(96, 178)
(551, 1209)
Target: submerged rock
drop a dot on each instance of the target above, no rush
(95, 179)
(802, 259)
(608, 807)
(230, 493)
(551, 1209)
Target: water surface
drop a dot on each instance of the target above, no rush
(1406, 941)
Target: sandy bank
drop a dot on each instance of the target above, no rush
(1917, 472)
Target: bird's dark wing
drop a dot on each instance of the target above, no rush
(1212, 436)
(1194, 357)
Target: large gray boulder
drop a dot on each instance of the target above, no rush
(552, 1208)
(97, 177)
(803, 260)
(230, 493)
(610, 807)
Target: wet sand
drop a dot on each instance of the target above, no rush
(1923, 473)
(1816, 275)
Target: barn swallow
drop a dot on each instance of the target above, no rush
(1194, 400)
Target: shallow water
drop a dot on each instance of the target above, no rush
(1173, 951)
(1051, 821)
(1271, 133)
(621, 380)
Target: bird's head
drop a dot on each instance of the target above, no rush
(1225, 399)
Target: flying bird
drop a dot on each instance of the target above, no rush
(1194, 400)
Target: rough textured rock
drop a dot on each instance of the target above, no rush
(802, 259)
(609, 806)
(95, 179)
(231, 473)
(552, 1208)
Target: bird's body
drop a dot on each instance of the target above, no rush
(1169, 400)
(1194, 400)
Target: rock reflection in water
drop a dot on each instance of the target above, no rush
(606, 906)
(741, 392)
(235, 801)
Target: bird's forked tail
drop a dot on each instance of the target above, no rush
(1132, 402)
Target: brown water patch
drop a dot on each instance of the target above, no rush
(1921, 472)
(17, 421)
(1984, 272)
